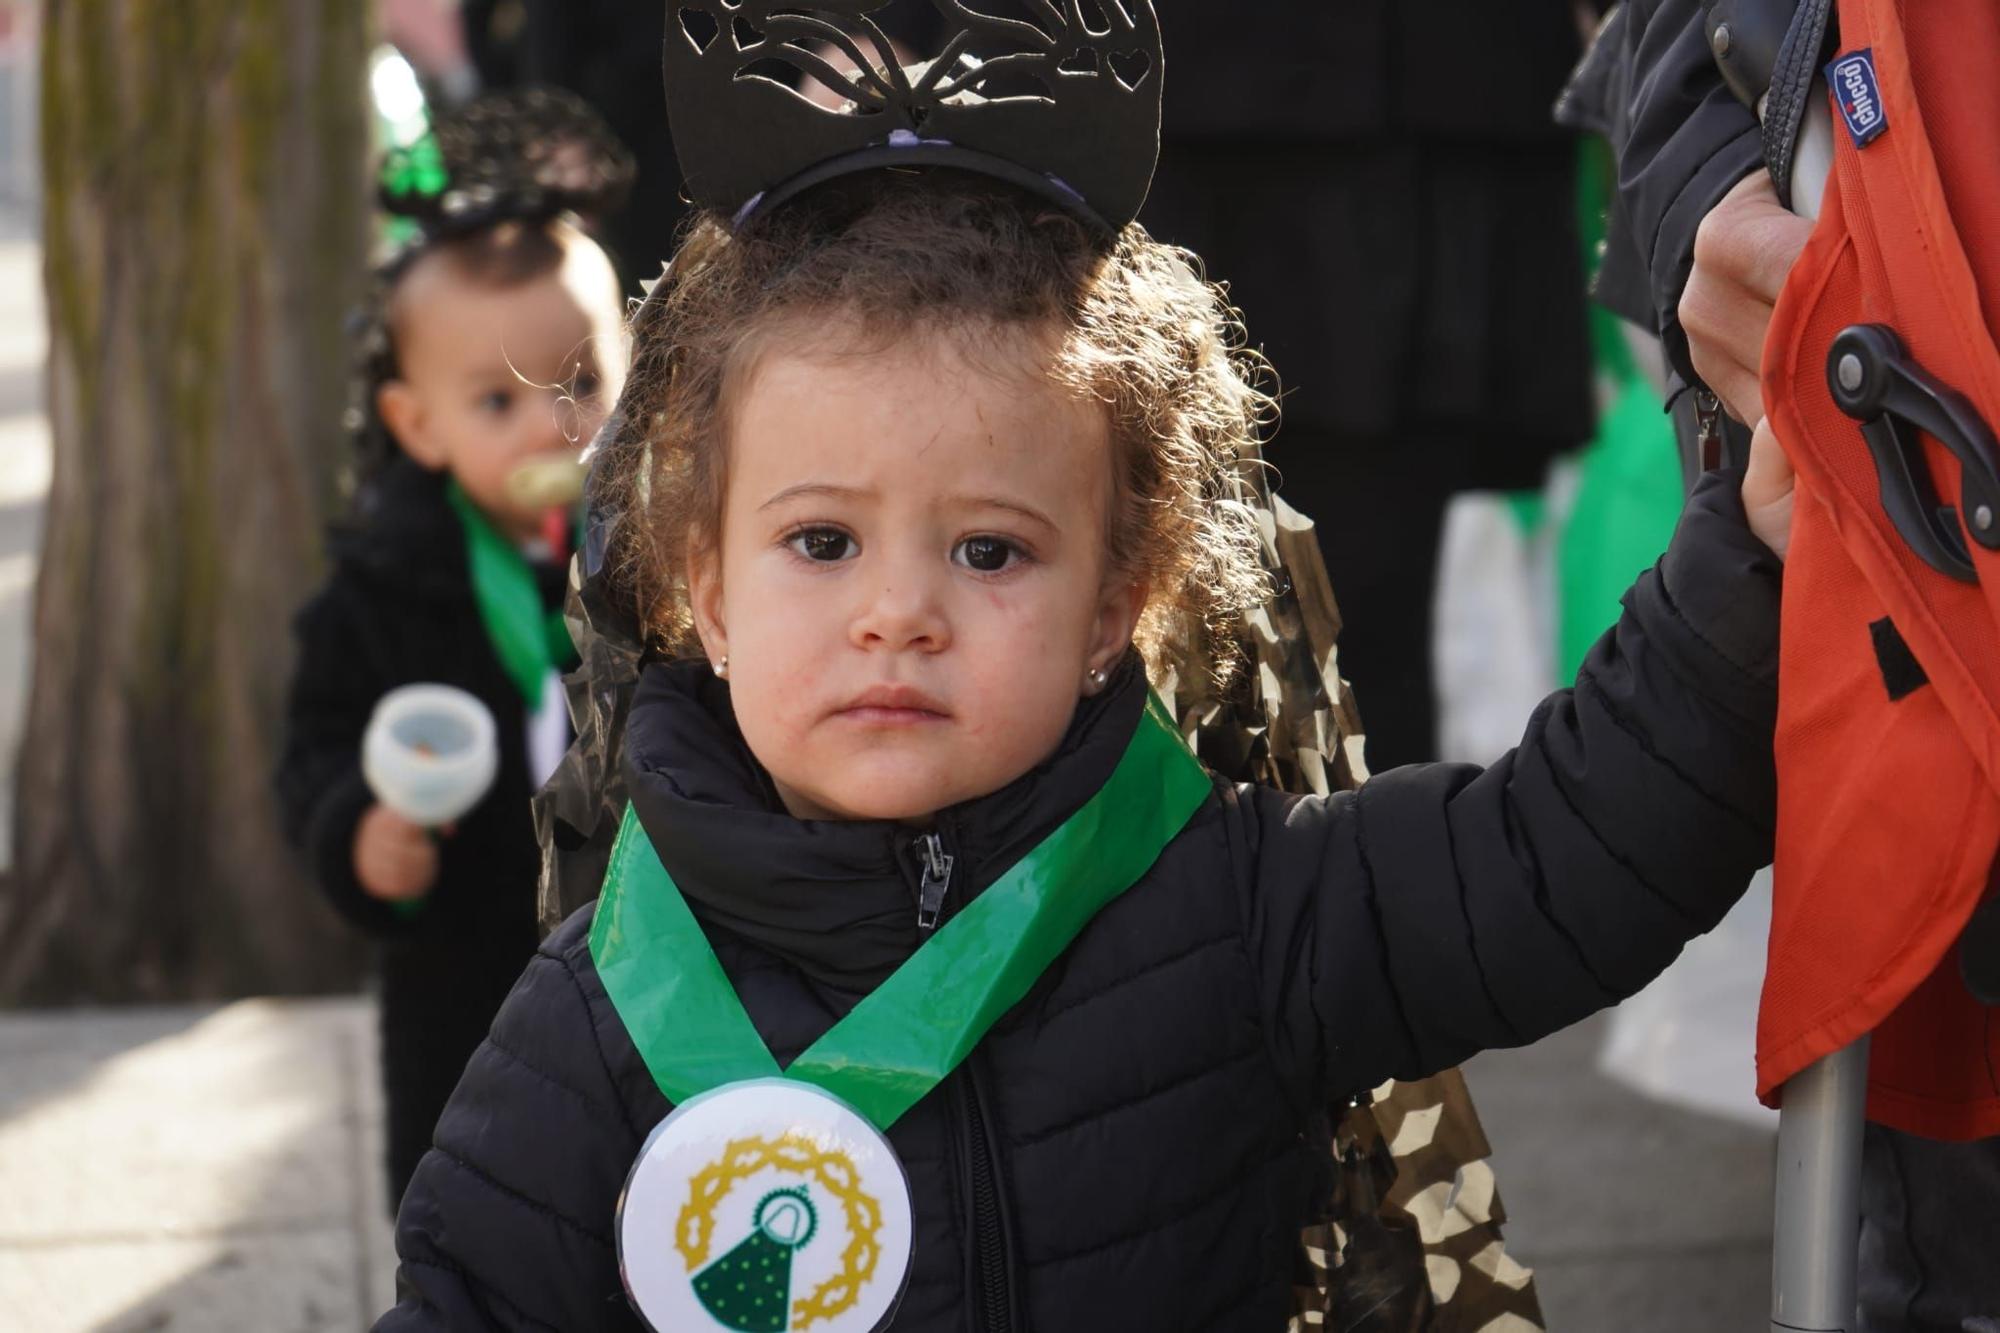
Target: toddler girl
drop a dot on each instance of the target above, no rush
(916, 473)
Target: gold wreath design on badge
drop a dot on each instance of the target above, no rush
(786, 1221)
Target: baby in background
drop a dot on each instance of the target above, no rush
(496, 351)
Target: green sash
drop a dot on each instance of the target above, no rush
(906, 1037)
(529, 639)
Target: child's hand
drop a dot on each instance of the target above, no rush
(395, 860)
(1767, 490)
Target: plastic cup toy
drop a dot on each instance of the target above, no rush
(430, 753)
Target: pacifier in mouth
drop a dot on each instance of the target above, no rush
(552, 481)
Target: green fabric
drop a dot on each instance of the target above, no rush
(900, 1042)
(1528, 509)
(412, 166)
(1629, 495)
(529, 639)
(415, 170)
(1628, 500)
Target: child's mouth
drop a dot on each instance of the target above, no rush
(893, 706)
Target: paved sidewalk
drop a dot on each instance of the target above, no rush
(1636, 1217)
(192, 1169)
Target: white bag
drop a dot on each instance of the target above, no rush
(1493, 646)
(1691, 1037)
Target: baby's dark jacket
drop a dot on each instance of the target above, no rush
(397, 610)
(1145, 1111)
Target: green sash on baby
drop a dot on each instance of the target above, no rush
(529, 639)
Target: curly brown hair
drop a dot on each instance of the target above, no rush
(893, 256)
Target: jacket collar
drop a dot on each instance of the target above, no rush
(836, 900)
(403, 529)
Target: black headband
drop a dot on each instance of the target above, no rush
(1063, 101)
(514, 156)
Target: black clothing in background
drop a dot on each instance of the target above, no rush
(398, 610)
(1930, 1226)
(1383, 188)
(1384, 561)
(1396, 283)
(608, 53)
(1145, 1108)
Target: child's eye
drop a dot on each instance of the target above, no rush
(822, 545)
(988, 555)
(497, 401)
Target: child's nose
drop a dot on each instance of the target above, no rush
(903, 613)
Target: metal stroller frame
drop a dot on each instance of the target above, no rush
(1817, 1210)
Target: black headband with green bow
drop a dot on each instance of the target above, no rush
(516, 156)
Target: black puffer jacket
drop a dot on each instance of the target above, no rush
(1124, 1150)
(399, 610)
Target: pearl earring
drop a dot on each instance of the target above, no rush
(722, 669)
(1097, 677)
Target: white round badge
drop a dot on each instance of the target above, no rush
(763, 1207)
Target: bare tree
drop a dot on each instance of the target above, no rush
(204, 168)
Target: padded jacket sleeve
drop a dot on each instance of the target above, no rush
(507, 1224)
(1442, 910)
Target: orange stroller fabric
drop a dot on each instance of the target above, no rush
(1889, 808)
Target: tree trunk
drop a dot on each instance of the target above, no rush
(205, 229)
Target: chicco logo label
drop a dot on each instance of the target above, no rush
(1851, 79)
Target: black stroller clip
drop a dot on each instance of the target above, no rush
(1874, 381)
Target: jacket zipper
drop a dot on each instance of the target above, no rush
(994, 1311)
(993, 1289)
(936, 863)
(1708, 429)
(989, 1231)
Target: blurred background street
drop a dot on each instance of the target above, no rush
(24, 432)
(24, 481)
(218, 1167)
